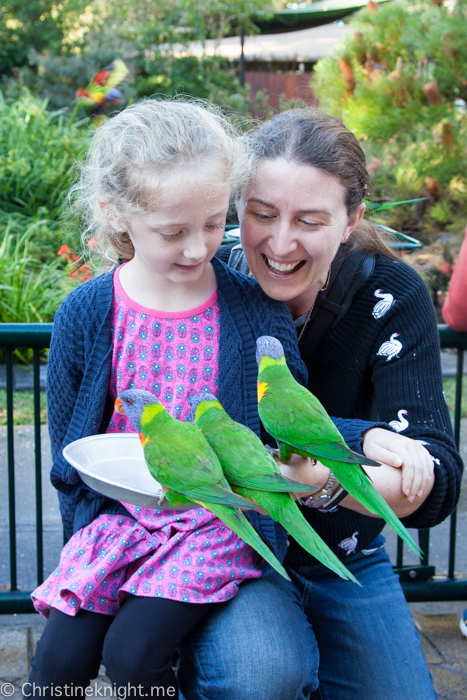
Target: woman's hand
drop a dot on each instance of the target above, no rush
(402, 453)
(307, 471)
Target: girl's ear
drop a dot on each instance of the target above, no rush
(110, 216)
(353, 222)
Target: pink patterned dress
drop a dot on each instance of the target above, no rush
(188, 556)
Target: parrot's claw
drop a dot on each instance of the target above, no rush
(161, 496)
(273, 451)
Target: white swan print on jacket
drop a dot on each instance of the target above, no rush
(391, 348)
(350, 544)
(383, 306)
(400, 424)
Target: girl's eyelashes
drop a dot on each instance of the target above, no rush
(171, 236)
(208, 227)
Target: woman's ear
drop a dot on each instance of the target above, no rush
(110, 216)
(353, 222)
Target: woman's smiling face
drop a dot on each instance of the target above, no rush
(293, 220)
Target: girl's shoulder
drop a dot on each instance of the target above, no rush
(247, 287)
(92, 294)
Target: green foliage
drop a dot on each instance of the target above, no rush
(31, 291)
(38, 153)
(38, 24)
(449, 386)
(394, 82)
(209, 78)
(23, 408)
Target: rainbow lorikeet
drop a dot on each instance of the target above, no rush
(103, 87)
(253, 473)
(299, 422)
(182, 461)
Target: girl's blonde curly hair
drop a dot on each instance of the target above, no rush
(138, 155)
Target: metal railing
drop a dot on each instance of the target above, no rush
(420, 582)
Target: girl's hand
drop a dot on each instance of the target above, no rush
(402, 453)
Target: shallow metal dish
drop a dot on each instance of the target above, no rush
(114, 465)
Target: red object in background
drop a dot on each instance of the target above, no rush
(455, 306)
(292, 85)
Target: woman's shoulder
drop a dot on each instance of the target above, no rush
(397, 271)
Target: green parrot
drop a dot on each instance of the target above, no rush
(182, 461)
(253, 473)
(299, 422)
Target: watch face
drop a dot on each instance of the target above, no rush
(317, 502)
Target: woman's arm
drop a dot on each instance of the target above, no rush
(386, 480)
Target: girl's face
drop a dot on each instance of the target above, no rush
(176, 242)
(293, 220)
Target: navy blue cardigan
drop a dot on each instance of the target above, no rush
(79, 371)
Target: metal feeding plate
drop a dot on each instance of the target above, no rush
(114, 465)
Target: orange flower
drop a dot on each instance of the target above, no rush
(92, 243)
(64, 250)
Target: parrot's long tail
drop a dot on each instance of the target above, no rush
(237, 522)
(283, 509)
(356, 482)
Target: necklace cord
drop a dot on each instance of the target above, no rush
(313, 306)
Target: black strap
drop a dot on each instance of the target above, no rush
(349, 272)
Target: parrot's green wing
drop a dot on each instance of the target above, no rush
(180, 458)
(249, 463)
(303, 426)
(294, 416)
(241, 454)
(276, 483)
(356, 482)
(243, 528)
(218, 494)
(282, 508)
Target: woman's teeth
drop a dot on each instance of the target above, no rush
(282, 267)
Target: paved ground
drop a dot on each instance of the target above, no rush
(444, 647)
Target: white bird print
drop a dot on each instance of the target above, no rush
(402, 423)
(382, 307)
(391, 348)
(350, 543)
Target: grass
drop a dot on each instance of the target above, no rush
(23, 406)
(450, 392)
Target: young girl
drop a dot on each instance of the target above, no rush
(132, 582)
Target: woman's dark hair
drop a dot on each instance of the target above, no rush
(311, 137)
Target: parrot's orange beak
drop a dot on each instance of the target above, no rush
(118, 405)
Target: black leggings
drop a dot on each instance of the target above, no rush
(136, 648)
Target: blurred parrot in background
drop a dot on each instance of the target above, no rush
(253, 473)
(182, 461)
(103, 88)
(299, 422)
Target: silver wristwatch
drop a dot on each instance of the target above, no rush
(322, 497)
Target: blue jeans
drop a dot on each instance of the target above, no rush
(279, 641)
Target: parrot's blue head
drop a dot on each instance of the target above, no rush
(196, 399)
(132, 402)
(269, 346)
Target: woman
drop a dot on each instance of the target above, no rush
(301, 226)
